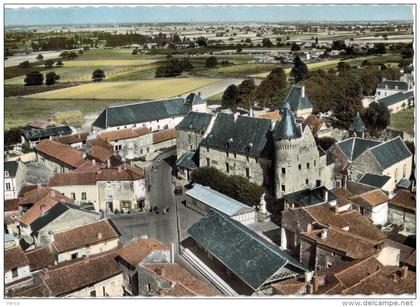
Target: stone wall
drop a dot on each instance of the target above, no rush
(400, 217)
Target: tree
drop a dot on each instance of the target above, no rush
(51, 78)
(376, 117)
(325, 142)
(49, 63)
(135, 51)
(267, 43)
(59, 64)
(338, 45)
(12, 135)
(246, 92)
(272, 85)
(295, 47)
(24, 64)
(300, 70)
(370, 77)
(40, 57)
(408, 51)
(239, 49)
(201, 41)
(211, 61)
(343, 66)
(230, 96)
(34, 78)
(98, 75)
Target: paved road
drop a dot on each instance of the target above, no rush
(16, 59)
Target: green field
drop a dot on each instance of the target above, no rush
(128, 90)
(403, 120)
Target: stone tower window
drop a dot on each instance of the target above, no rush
(300, 166)
(307, 165)
(283, 170)
(283, 187)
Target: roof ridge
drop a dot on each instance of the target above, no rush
(143, 102)
(356, 264)
(362, 280)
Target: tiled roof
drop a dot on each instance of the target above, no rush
(42, 220)
(295, 99)
(35, 134)
(309, 197)
(63, 153)
(411, 260)
(123, 134)
(314, 122)
(175, 274)
(393, 85)
(65, 279)
(343, 196)
(14, 258)
(404, 199)
(289, 287)
(99, 153)
(358, 125)
(370, 199)
(140, 112)
(11, 204)
(391, 152)
(396, 98)
(72, 139)
(250, 257)
(287, 129)
(136, 250)
(86, 235)
(358, 224)
(100, 142)
(164, 135)
(29, 195)
(273, 115)
(245, 135)
(218, 201)
(11, 167)
(352, 246)
(377, 181)
(123, 173)
(188, 160)
(354, 147)
(389, 280)
(73, 178)
(195, 121)
(40, 258)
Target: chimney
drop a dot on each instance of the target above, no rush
(119, 168)
(43, 209)
(235, 116)
(303, 91)
(53, 193)
(316, 284)
(324, 234)
(84, 155)
(326, 196)
(125, 166)
(309, 289)
(39, 186)
(108, 163)
(395, 277)
(346, 228)
(93, 161)
(308, 227)
(404, 272)
(52, 239)
(99, 236)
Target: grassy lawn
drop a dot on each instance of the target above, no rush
(115, 54)
(239, 70)
(19, 111)
(11, 90)
(215, 99)
(128, 90)
(403, 120)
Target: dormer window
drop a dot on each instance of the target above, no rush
(6, 173)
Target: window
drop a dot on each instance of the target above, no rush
(14, 272)
(307, 165)
(314, 162)
(148, 287)
(405, 170)
(103, 291)
(247, 172)
(329, 263)
(227, 167)
(283, 187)
(283, 170)
(93, 293)
(227, 153)
(189, 138)
(74, 256)
(73, 196)
(6, 173)
(208, 161)
(8, 186)
(208, 149)
(83, 195)
(307, 181)
(234, 155)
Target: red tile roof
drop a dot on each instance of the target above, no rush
(122, 134)
(404, 199)
(63, 153)
(14, 258)
(40, 258)
(273, 115)
(72, 139)
(289, 287)
(371, 198)
(11, 204)
(164, 135)
(73, 178)
(137, 249)
(99, 153)
(100, 142)
(343, 196)
(85, 236)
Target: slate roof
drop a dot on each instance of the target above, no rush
(287, 129)
(377, 181)
(195, 121)
(391, 152)
(11, 167)
(35, 134)
(310, 197)
(142, 112)
(194, 99)
(396, 98)
(358, 125)
(247, 135)
(253, 259)
(188, 160)
(295, 99)
(218, 201)
(354, 147)
(391, 84)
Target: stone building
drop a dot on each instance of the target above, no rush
(402, 210)
(16, 268)
(14, 177)
(196, 103)
(373, 205)
(390, 87)
(32, 136)
(298, 164)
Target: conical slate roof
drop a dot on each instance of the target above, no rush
(358, 125)
(297, 98)
(287, 129)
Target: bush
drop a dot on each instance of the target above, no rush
(211, 61)
(24, 64)
(51, 78)
(236, 187)
(34, 78)
(98, 75)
